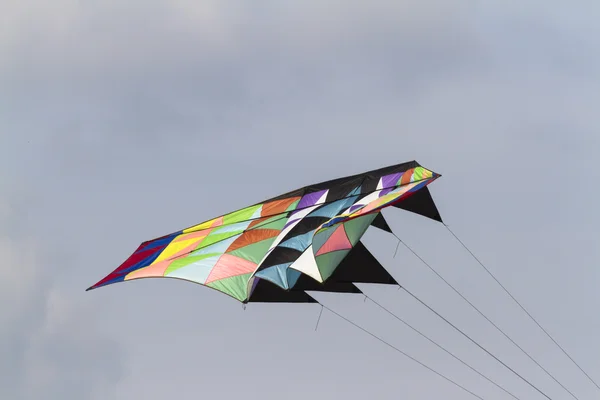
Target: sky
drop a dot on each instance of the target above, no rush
(124, 121)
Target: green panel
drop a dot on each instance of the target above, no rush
(241, 215)
(236, 286)
(217, 237)
(293, 206)
(418, 174)
(182, 262)
(277, 222)
(328, 262)
(357, 227)
(254, 252)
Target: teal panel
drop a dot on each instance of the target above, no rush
(196, 271)
(328, 262)
(292, 277)
(335, 208)
(276, 274)
(219, 247)
(234, 227)
(300, 242)
(357, 227)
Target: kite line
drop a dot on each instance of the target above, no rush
(484, 316)
(402, 352)
(319, 319)
(520, 305)
(477, 344)
(441, 347)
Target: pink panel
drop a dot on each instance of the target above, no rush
(229, 266)
(337, 241)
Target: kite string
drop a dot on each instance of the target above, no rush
(477, 344)
(519, 304)
(401, 352)
(486, 317)
(397, 245)
(441, 347)
(319, 319)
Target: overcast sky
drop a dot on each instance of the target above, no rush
(124, 121)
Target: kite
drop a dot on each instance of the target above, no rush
(304, 240)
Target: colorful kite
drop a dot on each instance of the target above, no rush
(275, 251)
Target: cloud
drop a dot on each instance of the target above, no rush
(126, 120)
(49, 347)
(69, 357)
(134, 82)
(97, 34)
(185, 56)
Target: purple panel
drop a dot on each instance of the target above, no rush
(356, 206)
(386, 191)
(310, 199)
(390, 180)
(305, 202)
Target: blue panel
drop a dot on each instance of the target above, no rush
(218, 247)
(237, 226)
(333, 209)
(275, 274)
(300, 242)
(163, 241)
(144, 262)
(292, 277)
(197, 271)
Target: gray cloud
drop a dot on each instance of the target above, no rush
(49, 347)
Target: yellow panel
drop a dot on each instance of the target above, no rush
(176, 246)
(205, 225)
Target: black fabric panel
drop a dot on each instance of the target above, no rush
(305, 225)
(361, 266)
(266, 292)
(420, 202)
(381, 223)
(370, 184)
(343, 189)
(306, 283)
(280, 255)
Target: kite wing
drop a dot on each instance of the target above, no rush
(277, 240)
